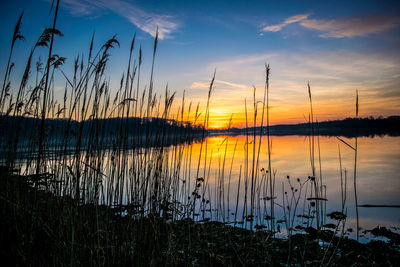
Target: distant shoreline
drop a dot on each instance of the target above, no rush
(350, 127)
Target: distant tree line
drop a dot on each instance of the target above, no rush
(349, 127)
(157, 131)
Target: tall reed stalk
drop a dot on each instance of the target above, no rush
(355, 168)
(269, 148)
(45, 93)
(6, 84)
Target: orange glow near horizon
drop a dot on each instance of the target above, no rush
(222, 109)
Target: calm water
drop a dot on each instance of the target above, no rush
(378, 172)
(226, 159)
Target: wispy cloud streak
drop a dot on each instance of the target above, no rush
(219, 82)
(289, 20)
(146, 21)
(341, 28)
(352, 27)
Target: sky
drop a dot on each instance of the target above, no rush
(337, 46)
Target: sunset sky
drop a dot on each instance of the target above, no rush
(338, 46)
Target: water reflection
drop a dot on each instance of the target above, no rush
(377, 171)
(218, 183)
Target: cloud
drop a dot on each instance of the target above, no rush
(343, 27)
(146, 21)
(289, 20)
(334, 76)
(200, 85)
(219, 83)
(353, 26)
(79, 8)
(234, 85)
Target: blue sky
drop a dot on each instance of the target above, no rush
(339, 46)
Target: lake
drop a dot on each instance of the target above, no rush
(378, 169)
(216, 185)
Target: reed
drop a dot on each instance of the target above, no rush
(355, 171)
(6, 83)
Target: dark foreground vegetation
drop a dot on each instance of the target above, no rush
(40, 229)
